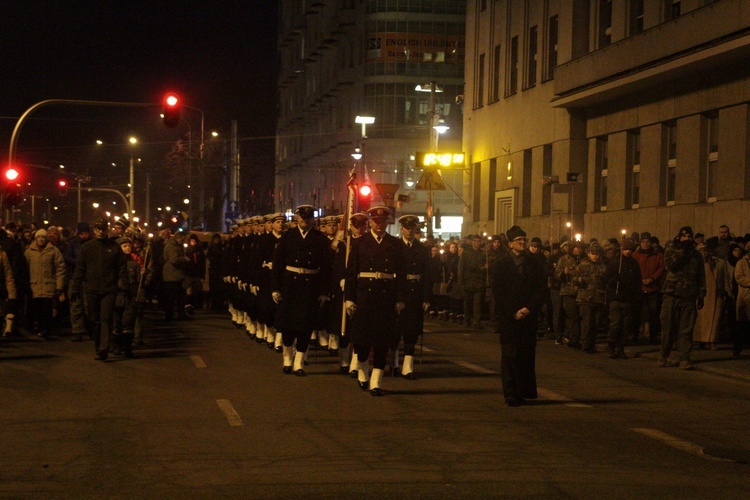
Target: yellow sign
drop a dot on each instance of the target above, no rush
(440, 160)
(430, 181)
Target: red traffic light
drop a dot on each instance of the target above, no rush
(365, 190)
(171, 110)
(11, 174)
(62, 183)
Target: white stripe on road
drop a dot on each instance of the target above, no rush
(553, 396)
(198, 361)
(475, 368)
(427, 349)
(678, 443)
(228, 410)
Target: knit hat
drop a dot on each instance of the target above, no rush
(39, 233)
(122, 241)
(628, 244)
(83, 227)
(515, 232)
(535, 241)
(685, 230)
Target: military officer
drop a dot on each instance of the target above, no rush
(418, 293)
(301, 278)
(358, 223)
(375, 284)
(266, 306)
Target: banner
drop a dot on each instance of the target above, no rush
(416, 47)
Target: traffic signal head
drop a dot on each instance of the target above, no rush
(62, 184)
(11, 174)
(171, 111)
(365, 197)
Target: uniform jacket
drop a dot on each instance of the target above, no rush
(515, 287)
(299, 309)
(46, 270)
(571, 263)
(590, 280)
(375, 318)
(102, 265)
(417, 291)
(175, 262)
(471, 271)
(686, 277)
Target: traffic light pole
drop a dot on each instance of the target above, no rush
(22, 119)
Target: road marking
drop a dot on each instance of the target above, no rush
(678, 443)
(228, 410)
(427, 349)
(475, 368)
(198, 361)
(546, 394)
(425, 330)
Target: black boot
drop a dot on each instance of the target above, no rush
(611, 350)
(127, 344)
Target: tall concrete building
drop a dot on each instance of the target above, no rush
(346, 58)
(596, 116)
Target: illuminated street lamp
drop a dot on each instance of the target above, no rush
(132, 141)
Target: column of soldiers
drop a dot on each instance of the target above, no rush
(356, 291)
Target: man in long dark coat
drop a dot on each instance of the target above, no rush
(301, 277)
(374, 292)
(417, 294)
(519, 284)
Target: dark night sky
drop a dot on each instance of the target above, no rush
(220, 56)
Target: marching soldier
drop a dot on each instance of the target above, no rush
(375, 284)
(418, 293)
(301, 278)
(266, 306)
(357, 227)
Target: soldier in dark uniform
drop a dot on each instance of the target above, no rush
(519, 283)
(301, 278)
(266, 306)
(418, 293)
(229, 268)
(357, 227)
(375, 285)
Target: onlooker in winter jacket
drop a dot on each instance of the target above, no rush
(47, 279)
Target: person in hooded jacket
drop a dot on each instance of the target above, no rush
(47, 279)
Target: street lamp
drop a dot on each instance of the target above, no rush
(364, 121)
(133, 141)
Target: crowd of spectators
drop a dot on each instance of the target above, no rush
(616, 288)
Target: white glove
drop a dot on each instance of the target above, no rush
(234, 279)
(426, 306)
(341, 284)
(254, 289)
(400, 307)
(226, 279)
(276, 296)
(322, 299)
(351, 308)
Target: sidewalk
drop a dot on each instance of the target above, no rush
(718, 362)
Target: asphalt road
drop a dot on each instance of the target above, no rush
(205, 412)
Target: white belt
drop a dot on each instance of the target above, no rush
(413, 276)
(269, 265)
(377, 276)
(301, 270)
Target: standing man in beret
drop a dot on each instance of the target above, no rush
(102, 267)
(519, 283)
(684, 289)
(301, 274)
(417, 295)
(374, 292)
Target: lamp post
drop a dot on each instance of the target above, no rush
(432, 88)
(200, 167)
(360, 151)
(133, 141)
